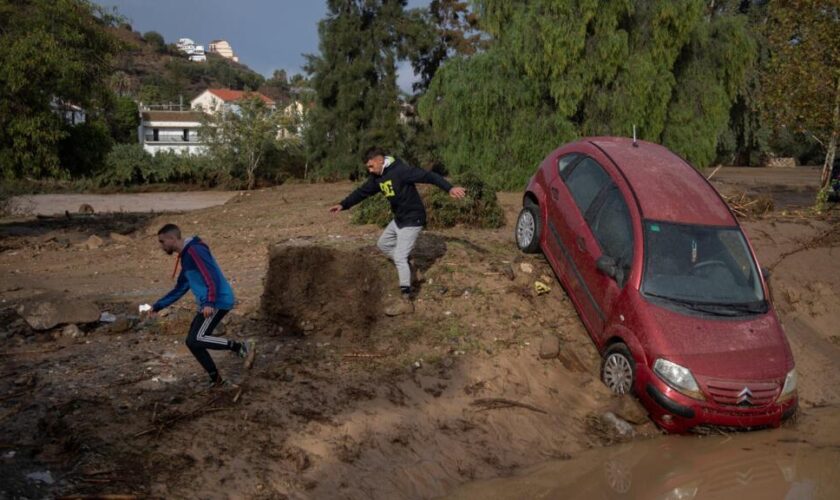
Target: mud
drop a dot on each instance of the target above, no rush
(408, 407)
(314, 288)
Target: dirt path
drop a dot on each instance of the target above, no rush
(51, 204)
(400, 408)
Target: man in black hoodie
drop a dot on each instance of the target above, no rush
(396, 180)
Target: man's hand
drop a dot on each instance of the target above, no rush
(457, 192)
(336, 208)
(207, 311)
(150, 314)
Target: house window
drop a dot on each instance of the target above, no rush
(156, 135)
(186, 135)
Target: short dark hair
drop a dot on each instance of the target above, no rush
(373, 152)
(170, 229)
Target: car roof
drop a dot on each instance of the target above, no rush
(666, 187)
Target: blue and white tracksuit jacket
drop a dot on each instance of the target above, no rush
(201, 274)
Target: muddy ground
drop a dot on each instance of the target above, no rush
(357, 406)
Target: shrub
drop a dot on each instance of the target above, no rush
(479, 209)
(129, 164)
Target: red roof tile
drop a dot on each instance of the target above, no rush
(229, 95)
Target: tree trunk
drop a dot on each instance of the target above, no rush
(831, 150)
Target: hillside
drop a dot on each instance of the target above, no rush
(153, 73)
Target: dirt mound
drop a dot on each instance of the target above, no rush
(312, 289)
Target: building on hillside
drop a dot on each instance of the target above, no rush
(170, 131)
(214, 100)
(70, 113)
(296, 112)
(223, 48)
(194, 52)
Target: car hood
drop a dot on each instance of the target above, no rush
(744, 348)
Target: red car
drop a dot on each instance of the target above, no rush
(664, 280)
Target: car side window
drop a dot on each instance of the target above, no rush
(613, 228)
(585, 181)
(564, 162)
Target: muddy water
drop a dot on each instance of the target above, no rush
(800, 462)
(49, 204)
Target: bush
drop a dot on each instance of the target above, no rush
(129, 164)
(480, 208)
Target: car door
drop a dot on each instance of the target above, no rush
(554, 250)
(572, 194)
(611, 225)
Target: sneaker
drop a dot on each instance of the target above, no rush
(248, 351)
(401, 306)
(216, 383)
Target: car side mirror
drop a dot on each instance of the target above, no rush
(607, 265)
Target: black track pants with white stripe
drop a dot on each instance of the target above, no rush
(201, 338)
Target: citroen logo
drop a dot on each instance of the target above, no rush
(745, 396)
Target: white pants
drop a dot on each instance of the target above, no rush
(397, 243)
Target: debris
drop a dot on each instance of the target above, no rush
(107, 317)
(122, 324)
(93, 242)
(507, 270)
(120, 238)
(47, 314)
(617, 426)
(497, 403)
(86, 208)
(541, 288)
(550, 346)
(526, 268)
(72, 331)
(628, 408)
(41, 477)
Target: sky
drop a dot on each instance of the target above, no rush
(265, 34)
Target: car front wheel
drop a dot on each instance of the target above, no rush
(619, 369)
(528, 226)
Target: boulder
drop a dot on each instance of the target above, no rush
(49, 313)
(93, 242)
(120, 238)
(628, 408)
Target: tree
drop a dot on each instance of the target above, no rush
(355, 80)
(123, 120)
(802, 83)
(239, 139)
(555, 70)
(54, 52)
(156, 40)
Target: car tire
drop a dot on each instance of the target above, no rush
(528, 228)
(618, 370)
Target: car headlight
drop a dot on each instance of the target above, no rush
(678, 377)
(789, 389)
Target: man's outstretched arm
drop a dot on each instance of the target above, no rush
(418, 175)
(366, 190)
(181, 287)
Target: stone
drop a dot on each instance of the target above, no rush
(72, 331)
(93, 242)
(526, 268)
(47, 314)
(550, 346)
(122, 324)
(628, 408)
(121, 238)
(616, 426)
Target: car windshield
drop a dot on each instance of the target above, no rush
(699, 267)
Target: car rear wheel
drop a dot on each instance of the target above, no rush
(619, 369)
(528, 226)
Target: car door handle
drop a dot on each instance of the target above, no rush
(555, 193)
(581, 243)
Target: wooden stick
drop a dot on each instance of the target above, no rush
(498, 403)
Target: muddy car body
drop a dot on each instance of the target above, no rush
(665, 282)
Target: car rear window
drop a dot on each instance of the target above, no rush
(585, 181)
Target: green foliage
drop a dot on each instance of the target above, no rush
(54, 51)
(123, 120)
(129, 164)
(245, 139)
(355, 80)
(84, 148)
(557, 69)
(479, 209)
(156, 40)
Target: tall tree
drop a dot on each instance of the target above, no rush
(802, 84)
(54, 52)
(355, 80)
(559, 69)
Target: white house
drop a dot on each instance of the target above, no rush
(69, 112)
(297, 112)
(173, 131)
(223, 48)
(214, 100)
(194, 52)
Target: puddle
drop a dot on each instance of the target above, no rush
(758, 465)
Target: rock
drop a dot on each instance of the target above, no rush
(72, 331)
(122, 324)
(86, 208)
(550, 346)
(121, 238)
(617, 426)
(526, 268)
(628, 408)
(47, 314)
(93, 242)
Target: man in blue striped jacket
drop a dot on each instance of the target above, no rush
(213, 294)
